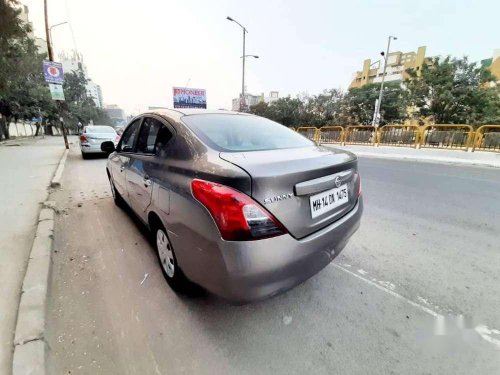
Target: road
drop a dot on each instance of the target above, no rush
(415, 291)
(27, 166)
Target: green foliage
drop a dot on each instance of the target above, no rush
(360, 104)
(334, 107)
(78, 108)
(23, 91)
(453, 91)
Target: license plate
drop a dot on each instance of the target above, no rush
(328, 200)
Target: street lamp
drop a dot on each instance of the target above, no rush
(51, 27)
(244, 56)
(376, 115)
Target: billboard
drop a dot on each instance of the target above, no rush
(189, 98)
(53, 72)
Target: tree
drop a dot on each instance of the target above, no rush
(23, 92)
(325, 108)
(286, 111)
(259, 109)
(78, 107)
(359, 104)
(452, 91)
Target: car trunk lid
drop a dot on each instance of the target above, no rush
(306, 189)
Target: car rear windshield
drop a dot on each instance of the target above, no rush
(100, 129)
(228, 132)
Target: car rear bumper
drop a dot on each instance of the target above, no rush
(255, 270)
(91, 148)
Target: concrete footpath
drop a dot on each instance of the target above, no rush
(479, 158)
(27, 166)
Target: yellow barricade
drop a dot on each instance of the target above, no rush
(362, 135)
(447, 136)
(487, 138)
(309, 132)
(398, 135)
(331, 134)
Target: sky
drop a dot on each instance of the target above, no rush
(138, 50)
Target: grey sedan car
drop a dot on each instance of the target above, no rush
(236, 203)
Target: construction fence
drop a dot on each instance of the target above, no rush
(444, 136)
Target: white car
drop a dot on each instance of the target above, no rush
(93, 136)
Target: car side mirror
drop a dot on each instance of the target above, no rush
(108, 147)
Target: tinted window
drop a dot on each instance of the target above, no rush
(129, 136)
(99, 129)
(147, 137)
(228, 132)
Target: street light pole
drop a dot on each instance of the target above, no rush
(51, 27)
(376, 115)
(244, 56)
(51, 58)
(242, 102)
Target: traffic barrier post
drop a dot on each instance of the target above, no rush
(362, 135)
(309, 132)
(331, 134)
(447, 136)
(398, 135)
(487, 138)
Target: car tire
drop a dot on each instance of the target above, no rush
(168, 261)
(117, 198)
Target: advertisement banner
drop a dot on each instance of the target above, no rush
(56, 91)
(189, 98)
(53, 72)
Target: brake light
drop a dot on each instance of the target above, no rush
(83, 138)
(238, 217)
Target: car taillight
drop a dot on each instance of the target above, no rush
(83, 138)
(238, 217)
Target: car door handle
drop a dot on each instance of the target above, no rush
(122, 167)
(147, 182)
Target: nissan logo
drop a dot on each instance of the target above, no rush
(338, 181)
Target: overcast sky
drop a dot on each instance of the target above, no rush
(138, 50)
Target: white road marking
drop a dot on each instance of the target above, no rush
(384, 289)
(486, 333)
(363, 272)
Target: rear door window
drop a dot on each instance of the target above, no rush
(153, 136)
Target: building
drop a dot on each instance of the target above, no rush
(116, 114)
(94, 91)
(73, 62)
(40, 43)
(397, 64)
(493, 65)
(251, 100)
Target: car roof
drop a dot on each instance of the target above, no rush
(180, 112)
(95, 125)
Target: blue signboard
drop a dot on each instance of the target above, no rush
(53, 72)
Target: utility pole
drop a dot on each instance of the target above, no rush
(51, 58)
(242, 102)
(376, 115)
(244, 56)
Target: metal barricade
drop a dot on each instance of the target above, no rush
(487, 138)
(309, 132)
(331, 134)
(363, 135)
(398, 135)
(447, 136)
